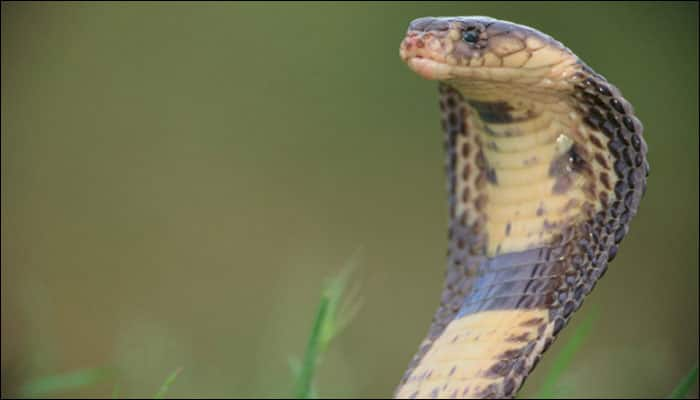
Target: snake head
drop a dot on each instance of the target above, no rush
(486, 50)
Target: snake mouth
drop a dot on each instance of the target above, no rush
(429, 69)
(439, 67)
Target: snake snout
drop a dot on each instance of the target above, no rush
(426, 53)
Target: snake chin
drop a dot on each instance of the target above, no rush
(429, 69)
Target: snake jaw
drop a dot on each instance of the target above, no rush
(430, 69)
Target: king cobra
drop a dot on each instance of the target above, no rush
(546, 166)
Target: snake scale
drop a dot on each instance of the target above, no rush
(546, 166)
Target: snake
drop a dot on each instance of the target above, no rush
(546, 166)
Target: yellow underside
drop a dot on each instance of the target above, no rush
(459, 360)
(521, 204)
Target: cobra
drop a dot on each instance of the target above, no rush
(546, 166)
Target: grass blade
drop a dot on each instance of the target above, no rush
(51, 384)
(166, 384)
(563, 359)
(335, 311)
(305, 377)
(684, 386)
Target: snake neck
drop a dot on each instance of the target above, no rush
(515, 173)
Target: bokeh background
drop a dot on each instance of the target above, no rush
(178, 180)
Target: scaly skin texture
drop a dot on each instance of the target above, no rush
(546, 166)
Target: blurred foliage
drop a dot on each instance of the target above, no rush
(685, 385)
(166, 384)
(330, 320)
(58, 383)
(178, 179)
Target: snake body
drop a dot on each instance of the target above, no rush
(546, 166)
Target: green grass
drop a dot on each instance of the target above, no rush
(335, 311)
(166, 384)
(74, 380)
(58, 383)
(684, 386)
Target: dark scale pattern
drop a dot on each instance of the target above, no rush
(556, 277)
(606, 111)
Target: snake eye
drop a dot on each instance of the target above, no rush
(470, 36)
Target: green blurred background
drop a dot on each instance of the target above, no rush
(179, 179)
